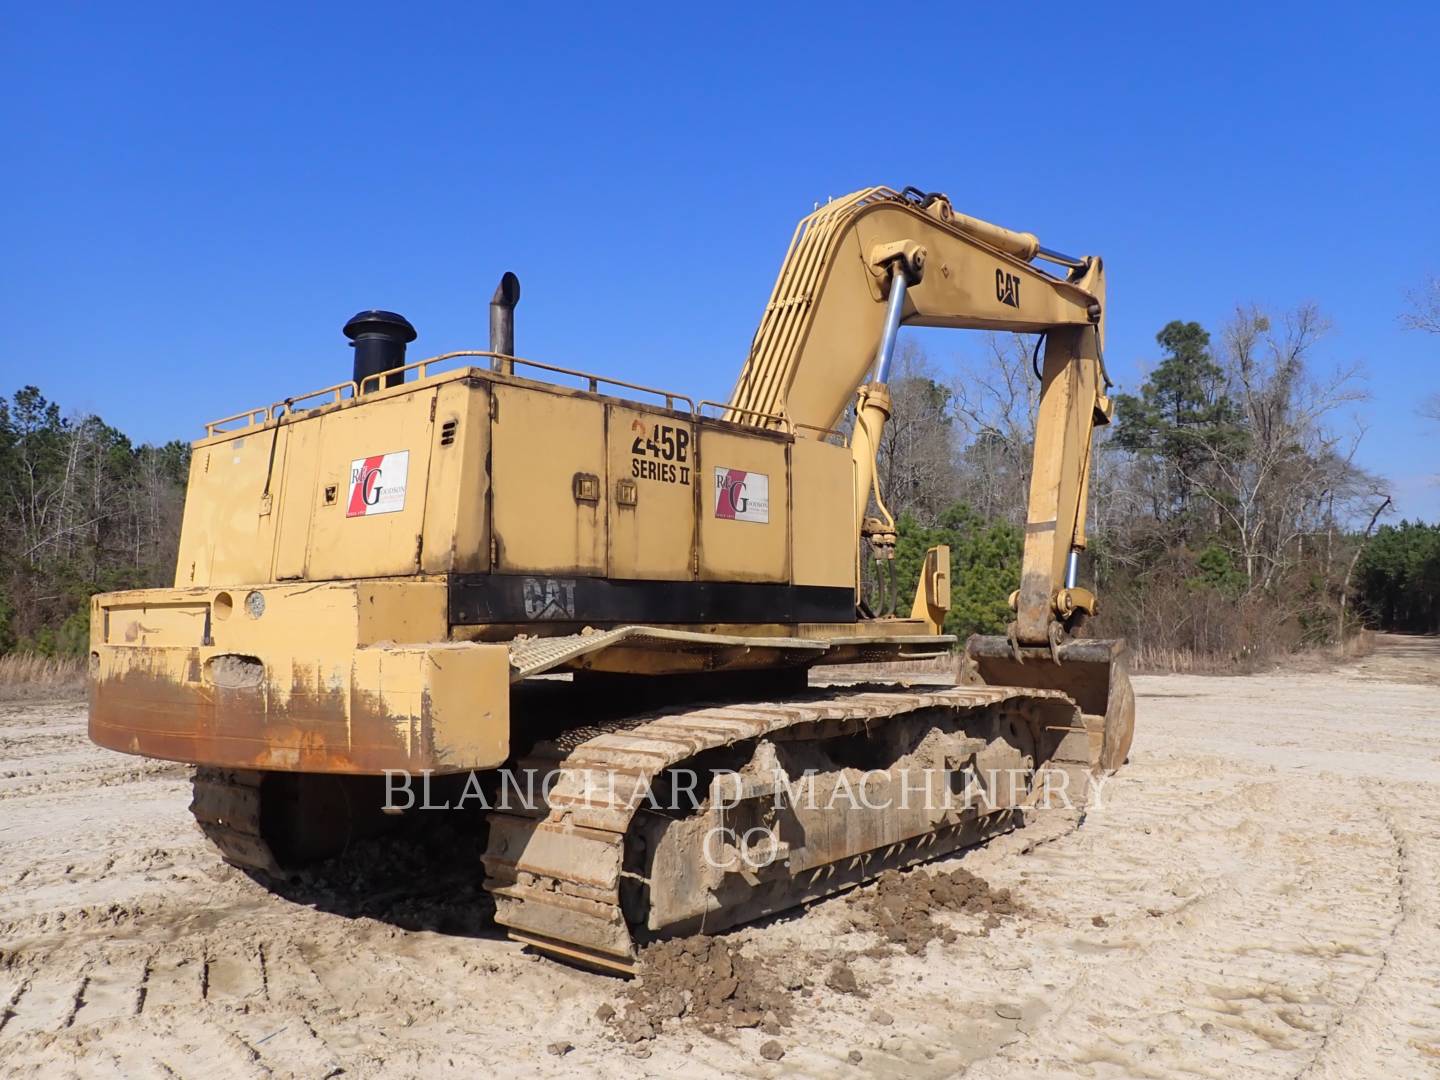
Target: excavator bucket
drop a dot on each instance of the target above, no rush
(1094, 673)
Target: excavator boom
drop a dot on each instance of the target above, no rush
(817, 336)
(860, 267)
(834, 300)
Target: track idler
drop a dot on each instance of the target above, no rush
(1094, 673)
(273, 823)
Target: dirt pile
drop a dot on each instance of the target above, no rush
(703, 980)
(710, 983)
(900, 907)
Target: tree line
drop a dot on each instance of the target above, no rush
(1399, 577)
(1399, 572)
(85, 510)
(1228, 518)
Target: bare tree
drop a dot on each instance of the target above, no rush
(916, 458)
(1424, 314)
(996, 401)
(1274, 475)
(81, 509)
(1354, 560)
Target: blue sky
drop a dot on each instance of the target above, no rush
(196, 198)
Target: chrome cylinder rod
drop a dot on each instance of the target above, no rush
(886, 351)
(1072, 569)
(1059, 257)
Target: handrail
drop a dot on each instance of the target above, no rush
(498, 361)
(421, 367)
(594, 381)
(280, 408)
(783, 421)
(214, 427)
(824, 431)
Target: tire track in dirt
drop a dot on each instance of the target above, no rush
(1395, 1023)
(1257, 894)
(56, 785)
(1257, 953)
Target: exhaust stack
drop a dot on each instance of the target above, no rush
(379, 339)
(502, 318)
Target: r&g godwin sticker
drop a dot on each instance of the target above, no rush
(377, 484)
(741, 495)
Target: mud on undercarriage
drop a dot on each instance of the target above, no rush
(695, 819)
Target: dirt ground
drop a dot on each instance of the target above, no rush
(1256, 894)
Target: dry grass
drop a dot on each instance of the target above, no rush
(1362, 644)
(27, 675)
(1144, 660)
(1149, 660)
(1153, 660)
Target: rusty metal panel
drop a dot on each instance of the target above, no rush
(164, 619)
(457, 524)
(651, 458)
(744, 506)
(403, 611)
(369, 499)
(296, 498)
(548, 484)
(296, 677)
(227, 535)
(823, 479)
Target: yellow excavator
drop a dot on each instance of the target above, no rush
(482, 569)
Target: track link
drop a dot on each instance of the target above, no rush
(569, 875)
(226, 805)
